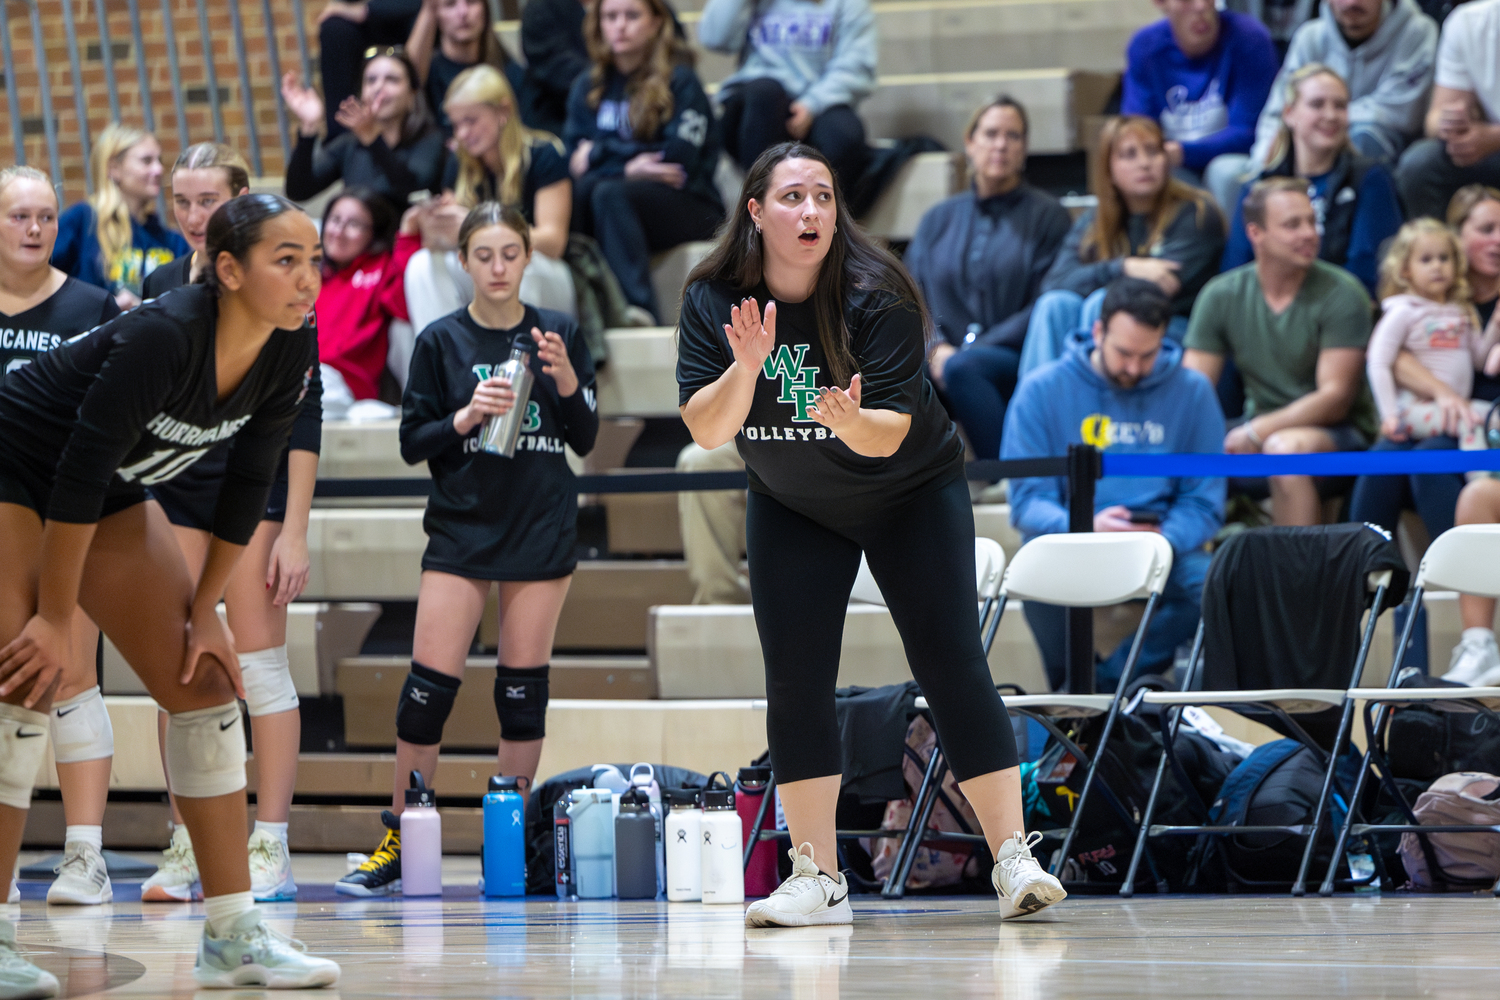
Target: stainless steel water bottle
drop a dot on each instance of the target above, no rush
(500, 434)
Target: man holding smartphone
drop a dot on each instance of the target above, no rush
(1121, 388)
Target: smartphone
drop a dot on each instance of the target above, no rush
(1145, 517)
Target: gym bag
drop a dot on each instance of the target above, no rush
(1277, 785)
(1461, 858)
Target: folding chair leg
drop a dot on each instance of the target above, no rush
(1109, 725)
(916, 826)
(1342, 841)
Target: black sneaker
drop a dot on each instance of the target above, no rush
(381, 875)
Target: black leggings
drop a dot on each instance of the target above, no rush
(755, 114)
(922, 555)
(633, 220)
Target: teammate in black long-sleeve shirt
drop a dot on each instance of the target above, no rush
(490, 518)
(268, 577)
(84, 431)
(40, 308)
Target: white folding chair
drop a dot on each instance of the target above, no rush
(1283, 703)
(1464, 559)
(1082, 570)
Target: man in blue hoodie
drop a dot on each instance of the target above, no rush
(1122, 388)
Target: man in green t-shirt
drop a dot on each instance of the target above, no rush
(1297, 329)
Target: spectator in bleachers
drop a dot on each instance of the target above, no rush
(448, 37)
(1476, 659)
(496, 158)
(1352, 194)
(364, 266)
(115, 238)
(1147, 224)
(979, 258)
(1296, 328)
(391, 146)
(1121, 388)
(1428, 313)
(1282, 18)
(556, 54)
(1204, 75)
(347, 29)
(804, 66)
(643, 143)
(1463, 122)
(1384, 51)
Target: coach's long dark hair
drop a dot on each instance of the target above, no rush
(235, 227)
(854, 261)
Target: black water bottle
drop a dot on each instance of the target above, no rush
(635, 847)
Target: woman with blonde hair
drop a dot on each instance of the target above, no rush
(1147, 224)
(497, 158)
(1353, 196)
(114, 239)
(643, 143)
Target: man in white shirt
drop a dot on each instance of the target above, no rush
(1463, 123)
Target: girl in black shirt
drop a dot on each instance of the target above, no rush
(40, 308)
(805, 344)
(267, 578)
(490, 518)
(84, 430)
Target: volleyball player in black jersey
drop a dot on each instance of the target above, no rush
(512, 521)
(84, 431)
(848, 449)
(40, 307)
(269, 576)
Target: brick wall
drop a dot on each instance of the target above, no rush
(191, 58)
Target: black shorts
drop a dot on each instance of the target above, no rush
(25, 486)
(189, 498)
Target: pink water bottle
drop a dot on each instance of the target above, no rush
(749, 793)
(421, 841)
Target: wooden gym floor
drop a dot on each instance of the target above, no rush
(1262, 947)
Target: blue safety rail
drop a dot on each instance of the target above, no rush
(1328, 463)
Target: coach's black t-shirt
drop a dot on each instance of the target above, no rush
(74, 308)
(490, 517)
(788, 454)
(134, 402)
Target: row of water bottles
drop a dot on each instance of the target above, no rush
(627, 838)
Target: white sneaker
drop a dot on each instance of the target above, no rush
(82, 878)
(1022, 884)
(807, 897)
(270, 869)
(19, 979)
(252, 954)
(176, 881)
(1474, 657)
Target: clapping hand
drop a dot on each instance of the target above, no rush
(837, 409)
(751, 338)
(303, 102)
(553, 354)
(359, 118)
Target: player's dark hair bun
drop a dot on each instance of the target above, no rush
(236, 226)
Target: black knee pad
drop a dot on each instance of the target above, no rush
(426, 700)
(521, 702)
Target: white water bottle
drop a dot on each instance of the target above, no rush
(683, 829)
(722, 856)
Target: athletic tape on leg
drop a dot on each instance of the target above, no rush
(521, 695)
(81, 729)
(268, 681)
(426, 701)
(206, 751)
(23, 747)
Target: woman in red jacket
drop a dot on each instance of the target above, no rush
(363, 288)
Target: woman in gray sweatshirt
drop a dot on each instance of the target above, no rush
(804, 65)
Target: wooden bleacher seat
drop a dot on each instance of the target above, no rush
(640, 379)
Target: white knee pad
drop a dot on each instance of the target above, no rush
(206, 751)
(81, 729)
(268, 681)
(23, 747)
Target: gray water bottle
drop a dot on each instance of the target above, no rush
(499, 435)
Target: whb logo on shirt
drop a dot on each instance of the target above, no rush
(1101, 431)
(799, 385)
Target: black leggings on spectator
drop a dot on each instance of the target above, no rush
(755, 114)
(633, 220)
(342, 44)
(1381, 499)
(922, 555)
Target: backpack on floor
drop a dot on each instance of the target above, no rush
(1277, 785)
(1463, 859)
(937, 864)
(1425, 743)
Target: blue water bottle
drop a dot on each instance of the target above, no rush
(504, 838)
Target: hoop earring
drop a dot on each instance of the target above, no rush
(757, 229)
